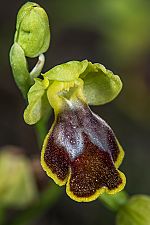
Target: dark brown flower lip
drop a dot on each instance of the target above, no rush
(82, 149)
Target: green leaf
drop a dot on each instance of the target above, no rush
(100, 85)
(38, 102)
(68, 71)
(20, 69)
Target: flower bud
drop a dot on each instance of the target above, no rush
(32, 30)
(135, 212)
(17, 186)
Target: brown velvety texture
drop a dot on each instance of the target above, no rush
(83, 142)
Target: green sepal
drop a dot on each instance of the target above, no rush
(67, 71)
(100, 85)
(38, 102)
(32, 30)
(20, 69)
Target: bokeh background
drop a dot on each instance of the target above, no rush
(115, 33)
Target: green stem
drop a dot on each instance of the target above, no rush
(47, 199)
(41, 128)
(36, 71)
(114, 202)
(41, 131)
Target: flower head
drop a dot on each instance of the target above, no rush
(80, 150)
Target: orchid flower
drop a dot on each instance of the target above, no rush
(80, 149)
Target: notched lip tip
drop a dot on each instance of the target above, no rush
(91, 198)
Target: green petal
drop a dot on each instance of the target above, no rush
(68, 71)
(38, 102)
(100, 85)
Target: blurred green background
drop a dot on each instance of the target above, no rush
(114, 33)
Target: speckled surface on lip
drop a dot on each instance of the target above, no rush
(93, 170)
(81, 142)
